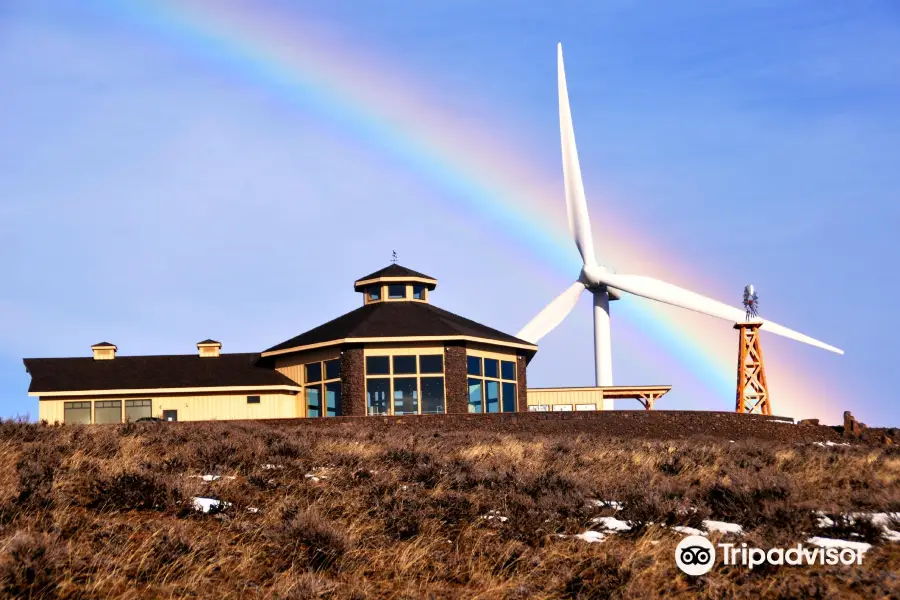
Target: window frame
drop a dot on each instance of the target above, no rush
(418, 375)
(403, 286)
(254, 400)
(499, 380)
(321, 385)
(131, 403)
(89, 407)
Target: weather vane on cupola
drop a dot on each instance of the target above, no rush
(751, 302)
(393, 257)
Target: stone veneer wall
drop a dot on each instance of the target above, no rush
(353, 382)
(455, 378)
(521, 384)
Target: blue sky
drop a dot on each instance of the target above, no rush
(152, 196)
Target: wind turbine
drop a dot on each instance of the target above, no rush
(604, 284)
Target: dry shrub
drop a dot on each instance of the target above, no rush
(305, 539)
(30, 566)
(128, 491)
(597, 578)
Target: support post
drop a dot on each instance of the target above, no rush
(752, 389)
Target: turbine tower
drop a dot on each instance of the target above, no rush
(605, 285)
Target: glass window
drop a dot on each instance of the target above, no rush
(378, 365)
(492, 396)
(397, 290)
(474, 365)
(313, 372)
(77, 412)
(431, 363)
(492, 368)
(333, 369)
(585, 407)
(475, 396)
(377, 391)
(432, 395)
(374, 292)
(509, 397)
(314, 401)
(508, 370)
(419, 292)
(137, 409)
(252, 399)
(406, 396)
(333, 399)
(404, 365)
(562, 408)
(108, 411)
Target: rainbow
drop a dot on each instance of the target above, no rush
(361, 95)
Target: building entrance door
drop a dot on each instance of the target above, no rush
(170, 415)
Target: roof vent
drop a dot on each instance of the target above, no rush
(209, 348)
(104, 351)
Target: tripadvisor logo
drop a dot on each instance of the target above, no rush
(695, 555)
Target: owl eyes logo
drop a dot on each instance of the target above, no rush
(695, 555)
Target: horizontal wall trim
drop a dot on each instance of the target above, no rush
(152, 391)
(363, 282)
(611, 388)
(388, 340)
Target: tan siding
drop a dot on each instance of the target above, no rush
(405, 349)
(50, 411)
(292, 366)
(223, 408)
(553, 397)
(201, 407)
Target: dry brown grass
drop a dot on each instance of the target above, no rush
(105, 512)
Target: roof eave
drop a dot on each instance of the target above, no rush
(519, 345)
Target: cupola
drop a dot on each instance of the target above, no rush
(209, 348)
(104, 351)
(395, 283)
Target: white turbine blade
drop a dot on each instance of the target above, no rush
(661, 291)
(576, 205)
(552, 315)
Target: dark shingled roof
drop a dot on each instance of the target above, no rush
(148, 372)
(209, 341)
(396, 319)
(395, 271)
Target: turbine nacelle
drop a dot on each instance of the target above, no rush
(592, 276)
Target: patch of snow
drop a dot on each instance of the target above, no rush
(891, 535)
(791, 422)
(252, 509)
(879, 519)
(732, 441)
(689, 531)
(823, 521)
(493, 514)
(312, 477)
(208, 504)
(612, 524)
(830, 443)
(832, 543)
(723, 527)
(607, 504)
(654, 542)
(268, 467)
(213, 477)
(590, 536)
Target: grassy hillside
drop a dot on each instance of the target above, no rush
(361, 511)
